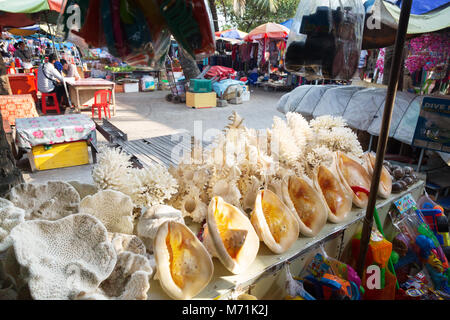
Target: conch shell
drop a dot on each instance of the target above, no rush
(184, 265)
(300, 195)
(385, 186)
(274, 223)
(353, 174)
(333, 192)
(230, 236)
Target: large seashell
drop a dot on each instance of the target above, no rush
(184, 265)
(274, 223)
(333, 193)
(303, 199)
(353, 174)
(385, 186)
(231, 235)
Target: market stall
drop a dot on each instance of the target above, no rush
(82, 91)
(56, 141)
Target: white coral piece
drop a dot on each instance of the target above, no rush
(10, 217)
(126, 242)
(83, 189)
(327, 122)
(152, 219)
(153, 186)
(192, 206)
(50, 201)
(113, 208)
(63, 257)
(112, 170)
(130, 280)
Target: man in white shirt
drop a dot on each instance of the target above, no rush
(70, 70)
(49, 79)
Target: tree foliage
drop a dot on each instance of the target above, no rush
(256, 12)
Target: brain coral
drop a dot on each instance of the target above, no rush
(63, 257)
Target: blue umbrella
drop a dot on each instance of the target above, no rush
(233, 34)
(287, 23)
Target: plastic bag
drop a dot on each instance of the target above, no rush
(326, 278)
(325, 39)
(420, 249)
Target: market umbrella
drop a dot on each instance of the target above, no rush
(267, 30)
(233, 34)
(30, 6)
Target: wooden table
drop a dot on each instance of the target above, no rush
(82, 91)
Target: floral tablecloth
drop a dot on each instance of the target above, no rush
(31, 132)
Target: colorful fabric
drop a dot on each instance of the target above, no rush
(31, 132)
(17, 106)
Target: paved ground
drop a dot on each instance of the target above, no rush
(145, 115)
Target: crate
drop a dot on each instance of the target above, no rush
(201, 100)
(200, 85)
(60, 155)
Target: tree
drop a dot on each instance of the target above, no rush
(188, 64)
(10, 175)
(257, 12)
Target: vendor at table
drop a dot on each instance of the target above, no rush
(70, 70)
(49, 79)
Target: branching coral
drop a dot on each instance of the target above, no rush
(146, 187)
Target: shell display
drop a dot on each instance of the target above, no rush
(385, 186)
(333, 192)
(352, 174)
(184, 266)
(230, 235)
(303, 199)
(274, 223)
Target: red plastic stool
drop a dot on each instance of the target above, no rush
(54, 106)
(102, 101)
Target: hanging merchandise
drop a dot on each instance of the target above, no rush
(325, 39)
(418, 250)
(133, 30)
(190, 22)
(325, 278)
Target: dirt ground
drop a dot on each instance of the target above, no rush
(148, 114)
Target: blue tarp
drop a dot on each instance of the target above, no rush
(424, 6)
(220, 86)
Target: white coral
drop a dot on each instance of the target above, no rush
(50, 201)
(83, 189)
(10, 217)
(112, 170)
(126, 242)
(327, 122)
(64, 257)
(153, 186)
(113, 208)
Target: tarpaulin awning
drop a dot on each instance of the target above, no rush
(30, 6)
(389, 15)
(25, 31)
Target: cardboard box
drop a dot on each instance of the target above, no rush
(59, 155)
(131, 87)
(201, 100)
(118, 88)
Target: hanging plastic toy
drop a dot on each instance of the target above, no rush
(325, 39)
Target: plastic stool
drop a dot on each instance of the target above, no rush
(101, 101)
(54, 106)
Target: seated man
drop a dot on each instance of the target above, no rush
(70, 70)
(49, 79)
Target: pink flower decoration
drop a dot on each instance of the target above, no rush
(79, 129)
(38, 134)
(52, 119)
(59, 132)
(35, 126)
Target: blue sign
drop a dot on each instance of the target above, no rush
(433, 126)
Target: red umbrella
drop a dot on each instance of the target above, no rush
(267, 30)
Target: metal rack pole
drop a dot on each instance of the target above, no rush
(384, 132)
